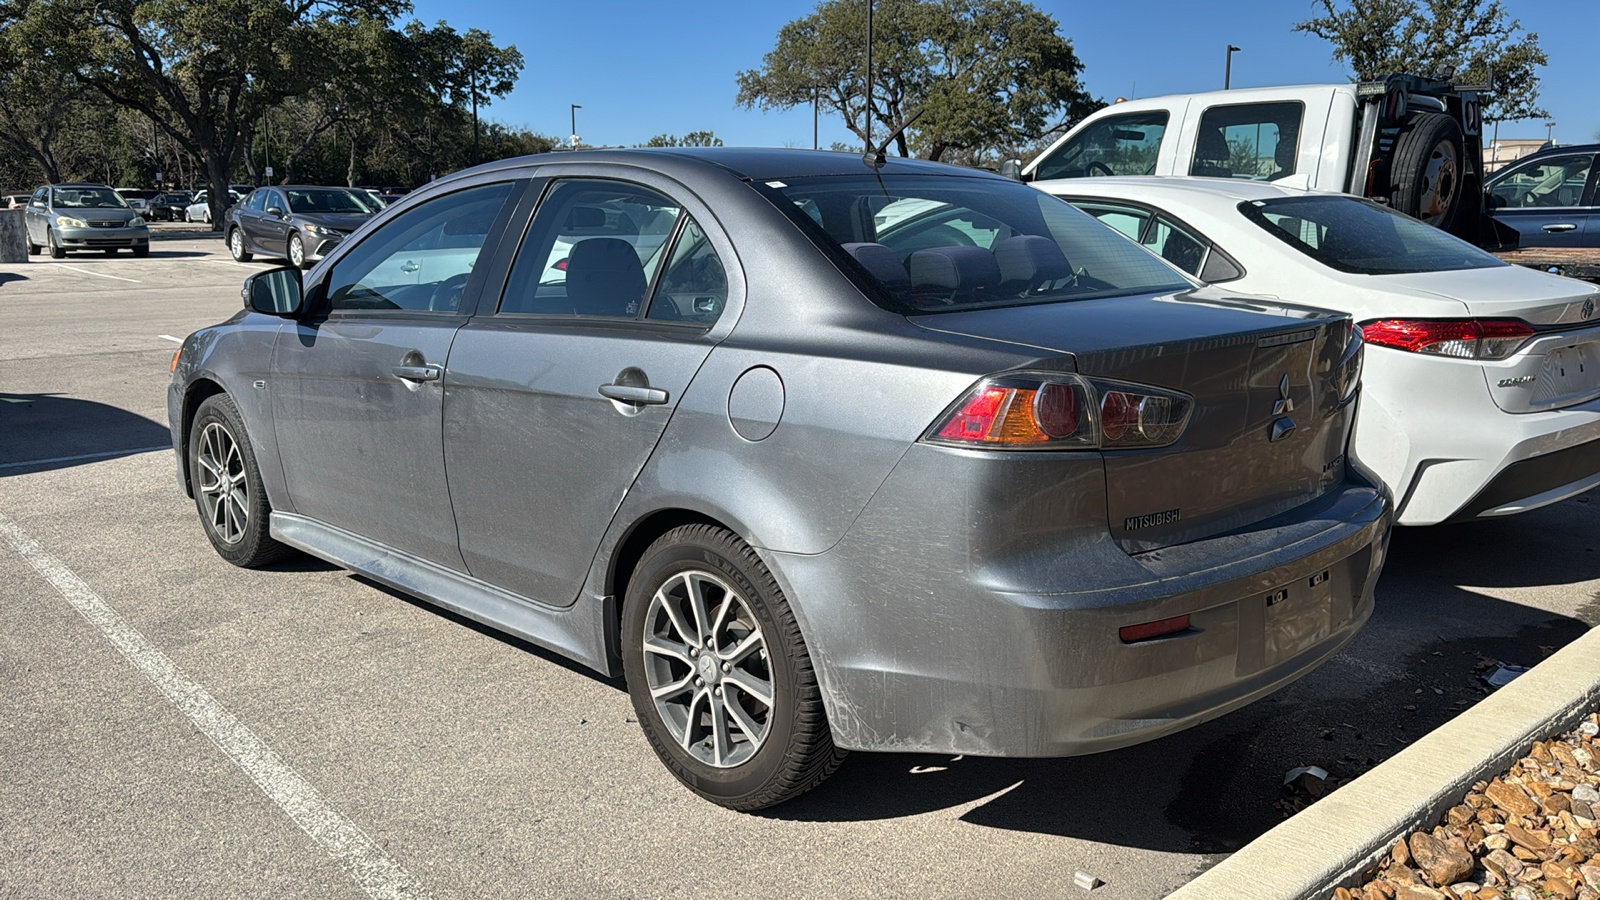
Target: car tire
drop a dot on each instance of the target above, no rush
(227, 487)
(33, 249)
(56, 250)
(1427, 172)
(696, 576)
(236, 246)
(297, 252)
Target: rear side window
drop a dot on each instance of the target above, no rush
(1361, 237)
(1116, 145)
(1254, 141)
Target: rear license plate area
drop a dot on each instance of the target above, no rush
(1569, 373)
(1283, 622)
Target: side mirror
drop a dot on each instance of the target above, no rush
(274, 211)
(1011, 168)
(275, 292)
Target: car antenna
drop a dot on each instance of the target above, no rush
(875, 157)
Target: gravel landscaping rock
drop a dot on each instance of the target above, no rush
(1529, 834)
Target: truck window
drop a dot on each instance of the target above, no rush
(1254, 141)
(1116, 145)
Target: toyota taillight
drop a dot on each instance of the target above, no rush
(1062, 412)
(1459, 338)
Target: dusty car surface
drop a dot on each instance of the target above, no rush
(1482, 390)
(910, 459)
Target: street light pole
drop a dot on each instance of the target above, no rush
(575, 108)
(1227, 73)
(1550, 135)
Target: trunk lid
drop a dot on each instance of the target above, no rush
(1509, 292)
(1252, 366)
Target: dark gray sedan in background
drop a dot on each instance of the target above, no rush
(820, 456)
(299, 223)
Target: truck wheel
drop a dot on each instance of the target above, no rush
(1427, 171)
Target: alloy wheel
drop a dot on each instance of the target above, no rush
(706, 664)
(224, 492)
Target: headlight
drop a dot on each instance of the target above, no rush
(70, 222)
(136, 221)
(318, 229)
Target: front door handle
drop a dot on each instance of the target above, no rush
(627, 393)
(1560, 226)
(418, 373)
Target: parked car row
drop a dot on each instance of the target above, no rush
(828, 455)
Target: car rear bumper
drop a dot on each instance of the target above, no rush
(940, 650)
(1430, 429)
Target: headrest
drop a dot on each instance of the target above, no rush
(882, 263)
(954, 268)
(604, 278)
(586, 217)
(1031, 258)
(1209, 144)
(1284, 155)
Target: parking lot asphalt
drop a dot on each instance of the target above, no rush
(207, 731)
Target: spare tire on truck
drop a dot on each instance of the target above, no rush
(1427, 173)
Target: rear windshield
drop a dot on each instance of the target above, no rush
(938, 244)
(1361, 237)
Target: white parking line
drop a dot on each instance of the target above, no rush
(106, 455)
(95, 274)
(374, 870)
(168, 337)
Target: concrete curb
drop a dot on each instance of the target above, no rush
(1332, 842)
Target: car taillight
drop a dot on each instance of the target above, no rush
(1460, 338)
(1062, 412)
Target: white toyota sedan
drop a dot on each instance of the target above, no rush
(1482, 389)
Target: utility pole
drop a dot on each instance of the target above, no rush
(815, 145)
(1227, 73)
(575, 108)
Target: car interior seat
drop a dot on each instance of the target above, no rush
(1211, 155)
(604, 278)
(1029, 262)
(953, 274)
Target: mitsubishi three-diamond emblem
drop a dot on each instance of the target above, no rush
(1284, 404)
(1588, 307)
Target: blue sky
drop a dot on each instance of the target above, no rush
(644, 68)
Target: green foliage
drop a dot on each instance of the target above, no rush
(692, 139)
(987, 76)
(1381, 37)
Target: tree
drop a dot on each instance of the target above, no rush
(692, 139)
(202, 72)
(1425, 37)
(986, 75)
(469, 67)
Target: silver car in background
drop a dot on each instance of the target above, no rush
(820, 456)
(63, 217)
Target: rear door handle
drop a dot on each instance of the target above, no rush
(1560, 226)
(418, 373)
(627, 393)
(409, 266)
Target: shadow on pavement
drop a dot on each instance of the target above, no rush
(11, 276)
(45, 431)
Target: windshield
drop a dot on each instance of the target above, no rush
(326, 200)
(940, 243)
(1361, 237)
(87, 198)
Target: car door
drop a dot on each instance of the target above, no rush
(35, 217)
(248, 216)
(1548, 201)
(357, 388)
(274, 227)
(557, 396)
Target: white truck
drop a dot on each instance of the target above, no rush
(1413, 143)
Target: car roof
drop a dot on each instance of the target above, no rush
(750, 163)
(83, 184)
(1189, 187)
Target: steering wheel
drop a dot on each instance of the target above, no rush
(1094, 164)
(446, 295)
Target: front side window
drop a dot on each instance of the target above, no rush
(257, 201)
(1116, 145)
(1254, 141)
(593, 249)
(939, 243)
(1553, 182)
(1358, 236)
(419, 261)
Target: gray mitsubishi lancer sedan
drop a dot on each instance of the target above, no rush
(820, 455)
